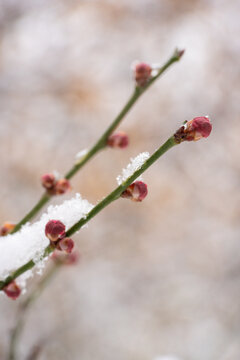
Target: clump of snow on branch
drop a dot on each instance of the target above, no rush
(31, 241)
(133, 166)
(80, 155)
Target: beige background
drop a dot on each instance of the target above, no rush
(163, 276)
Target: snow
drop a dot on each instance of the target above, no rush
(80, 155)
(30, 242)
(134, 165)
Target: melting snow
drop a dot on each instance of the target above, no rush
(30, 242)
(134, 165)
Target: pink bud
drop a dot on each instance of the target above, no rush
(118, 140)
(6, 228)
(193, 130)
(12, 290)
(66, 245)
(199, 127)
(137, 191)
(48, 181)
(62, 186)
(143, 73)
(55, 230)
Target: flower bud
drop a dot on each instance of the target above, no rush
(62, 186)
(66, 245)
(6, 228)
(143, 74)
(118, 140)
(48, 181)
(12, 290)
(55, 230)
(137, 191)
(193, 130)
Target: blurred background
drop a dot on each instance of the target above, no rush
(158, 277)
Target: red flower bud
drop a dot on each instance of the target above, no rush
(143, 73)
(55, 230)
(66, 245)
(6, 228)
(137, 191)
(48, 181)
(193, 130)
(118, 140)
(62, 186)
(12, 290)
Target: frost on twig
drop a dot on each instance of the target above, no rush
(31, 241)
(133, 166)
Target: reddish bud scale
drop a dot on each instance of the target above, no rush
(48, 181)
(65, 245)
(62, 186)
(193, 130)
(137, 191)
(118, 140)
(12, 290)
(6, 228)
(143, 74)
(55, 230)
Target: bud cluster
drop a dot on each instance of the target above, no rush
(55, 186)
(193, 130)
(137, 191)
(55, 232)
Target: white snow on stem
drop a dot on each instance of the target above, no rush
(31, 241)
(80, 155)
(134, 165)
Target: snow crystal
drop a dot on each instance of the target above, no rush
(30, 242)
(134, 165)
(80, 155)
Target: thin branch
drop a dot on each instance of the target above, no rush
(114, 195)
(101, 143)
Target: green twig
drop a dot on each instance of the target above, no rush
(101, 143)
(114, 195)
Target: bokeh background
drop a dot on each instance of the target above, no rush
(155, 278)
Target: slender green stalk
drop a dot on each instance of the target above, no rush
(114, 195)
(101, 143)
(15, 334)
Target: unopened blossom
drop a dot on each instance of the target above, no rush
(65, 244)
(55, 186)
(137, 191)
(118, 140)
(6, 228)
(142, 73)
(12, 290)
(62, 186)
(55, 230)
(48, 181)
(193, 130)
